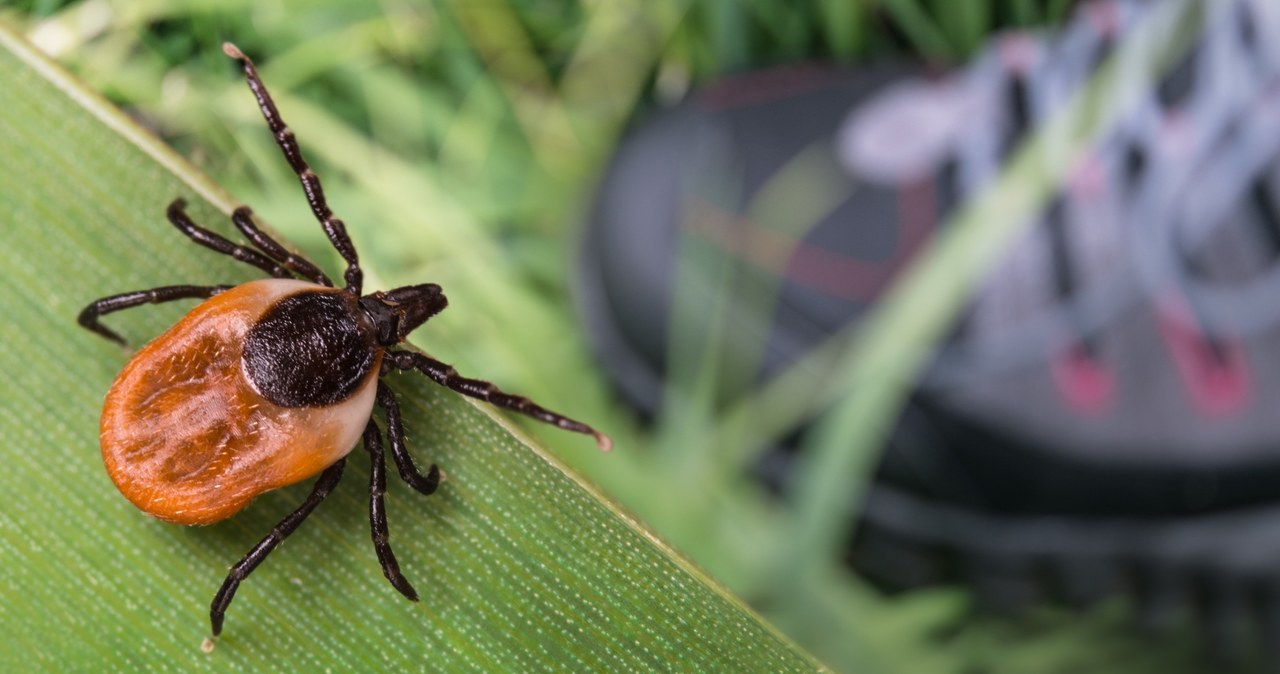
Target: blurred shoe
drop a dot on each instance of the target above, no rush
(1101, 422)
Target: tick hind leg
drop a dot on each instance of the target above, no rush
(89, 316)
(334, 228)
(445, 375)
(217, 611)
(378, 513)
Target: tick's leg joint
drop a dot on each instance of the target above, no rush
(423, 483)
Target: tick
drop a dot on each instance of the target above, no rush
(272, 382)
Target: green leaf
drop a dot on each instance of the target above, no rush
(521, 565)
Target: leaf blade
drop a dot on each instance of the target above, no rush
(521, 565)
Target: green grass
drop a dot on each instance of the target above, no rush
(460, 141)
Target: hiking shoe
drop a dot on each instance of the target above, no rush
(1097, 424)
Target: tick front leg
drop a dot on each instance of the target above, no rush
(446, 376)
(333, 227)
(378, 513)
(217, 611)
(89, 316)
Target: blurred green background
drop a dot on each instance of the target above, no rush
(461, 140)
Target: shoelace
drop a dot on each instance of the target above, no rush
(1179, 193)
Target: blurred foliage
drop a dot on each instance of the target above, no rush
(460, 140)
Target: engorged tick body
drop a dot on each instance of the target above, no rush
(230, 403)
(271, 382)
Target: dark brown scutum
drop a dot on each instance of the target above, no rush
(309, 350)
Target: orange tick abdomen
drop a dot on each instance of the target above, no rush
(187, 437)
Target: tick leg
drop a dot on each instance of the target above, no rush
(426, 484)
(378, 513)
(89, 316)
(446, 376)
(243, 218)
(334, 228)
(217, 611)
(178, 216)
